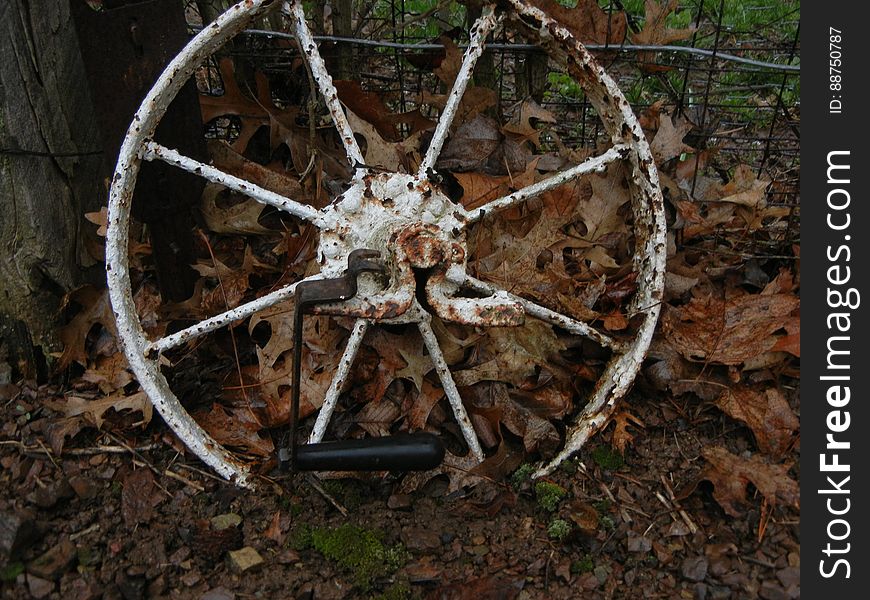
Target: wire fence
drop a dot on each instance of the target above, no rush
(735, 78)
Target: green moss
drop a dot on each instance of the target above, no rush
(584, 565)
(359, 551)
(11, 571)
(400, 590)
(522, 475)
(549, 495)
(607, 458)
(607, 523)
(558, 529)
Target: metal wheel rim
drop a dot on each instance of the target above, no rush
(604, 95)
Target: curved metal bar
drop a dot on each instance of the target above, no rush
(130, 333)
(482, 28)
(324, 81)
(154, 151)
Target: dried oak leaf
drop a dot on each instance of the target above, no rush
(655, 30)
(95, 309)
(621, 436)
(668, 140)
(392, 156)
(252, 113)
(589, 23)
(728, 332)
(94, 411)
(226, 212)
(235, 428)
(520, 124)
(731, 474)
(480, 145)
(475, 100)
(766, 412)
(138, 497)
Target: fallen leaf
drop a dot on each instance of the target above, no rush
(235, 428)
(731, 474)
(668, 141)
(621, 436)
(727, 332)
(766, 412)
(655, 30)
(94, 411)
(137, 497)
(95, 309)
(589, 23)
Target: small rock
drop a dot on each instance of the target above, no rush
(191, 579)
(694, 568)
(478, 540)
(789, 576)
(245, 559)
(420, 539)
(287, 557)
(53, 493)
(399, 502)
(179, 556)
(772, 591)
(132, 588)
(218, 593)
(601, 573)
(17, 531)
(637, 543)
(39, 587)
(157, 586)
(480, 550)
(701, 591)
(55, 562)
(84, 487)
(225, 521)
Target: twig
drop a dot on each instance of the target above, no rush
(47, 453)
(683, 514)
(200, 472)
(74, 536)
(184, 480)
(312, 480)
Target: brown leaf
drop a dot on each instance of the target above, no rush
(137, 497)
(587, 21)
(273, 531)
(486, 588)
(621, 436)
(728, 332)
(101, 219)
(655, 31)
(225, 158)
(227, 212)
(745, 188)
(668, 141)
(94, 410)
(235, 428)
(766, 412)
(731, 474)
(520, 123)
(252, 113)
(95, 309)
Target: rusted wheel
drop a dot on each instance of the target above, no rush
(418, 228)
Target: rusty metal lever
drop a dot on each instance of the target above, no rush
(401, 452)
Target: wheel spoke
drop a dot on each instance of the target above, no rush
(450, 390)
(548, 316)
(216, 322)
(154, 151)
(335, 387)
(590, 165)
(482, 28)
(323, 79)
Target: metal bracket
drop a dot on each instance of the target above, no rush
(404, 452)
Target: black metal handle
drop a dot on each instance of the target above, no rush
(401, 452)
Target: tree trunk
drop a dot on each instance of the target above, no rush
(49, 166)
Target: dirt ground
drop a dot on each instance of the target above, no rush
(102, 522)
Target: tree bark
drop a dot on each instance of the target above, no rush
(49, 166)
